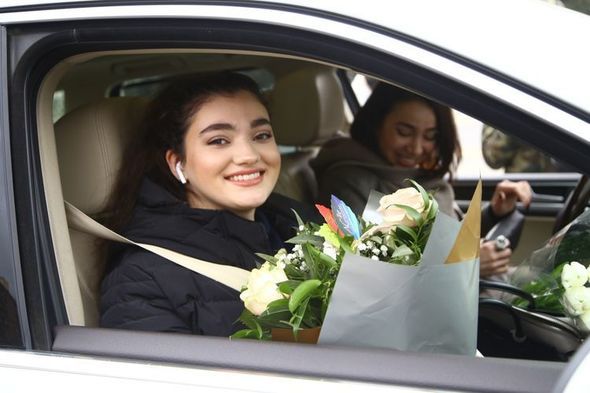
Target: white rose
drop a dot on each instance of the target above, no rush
(574, 274)
(262, 288)
(585, 321)
(577, 300)
(393, 215)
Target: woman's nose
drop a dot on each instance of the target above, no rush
(246, 153)
(417, 146)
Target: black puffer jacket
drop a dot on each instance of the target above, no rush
(144, 291)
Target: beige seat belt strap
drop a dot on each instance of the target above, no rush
(231, 276)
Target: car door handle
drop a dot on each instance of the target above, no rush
(536, 197)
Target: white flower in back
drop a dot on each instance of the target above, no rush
(574, 274)
(577, 300)
(585, 321)
(262, 287)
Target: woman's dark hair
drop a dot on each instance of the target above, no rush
(370, 118)
(164, 127)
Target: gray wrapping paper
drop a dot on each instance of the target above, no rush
(430, 308)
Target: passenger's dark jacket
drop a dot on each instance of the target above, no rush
(350, 171)
(144, 291)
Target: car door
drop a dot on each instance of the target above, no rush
(44, 39)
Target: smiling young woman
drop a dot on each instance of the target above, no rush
(231, 160)
(198, 181)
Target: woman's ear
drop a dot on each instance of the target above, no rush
(175, 166)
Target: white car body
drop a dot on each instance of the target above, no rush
(518, 51)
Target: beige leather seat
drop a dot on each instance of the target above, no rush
(90, 142)
(307, 108)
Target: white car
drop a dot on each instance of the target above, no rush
(69, 68)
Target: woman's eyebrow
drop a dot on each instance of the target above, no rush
(408, 125)
(230, 127)
(217, 127)
(260, 122)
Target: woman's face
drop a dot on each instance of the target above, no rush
(232, 161)
(407, 137)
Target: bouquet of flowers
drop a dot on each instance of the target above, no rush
(325, 279)
(557, 275)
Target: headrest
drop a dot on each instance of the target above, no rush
(307, 107)
(90, 144)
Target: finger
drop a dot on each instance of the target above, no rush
(495, 267)
(486, 271)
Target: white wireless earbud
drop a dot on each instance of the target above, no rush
(179, 173)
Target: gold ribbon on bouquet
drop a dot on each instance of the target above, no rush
(466, 245)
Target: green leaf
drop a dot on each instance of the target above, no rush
(404, 231)
(422, 191)
(376, 239)
(432, 210)
(276, 314)
(317, 241)
(327, 260)
(402, 251)
(299, 220)
(298, 316)
(249, 319)
(247, 333)
(294, 273)
(302, 292)
(410, 211)
(267, 258)
(287, 287)
(331, 237)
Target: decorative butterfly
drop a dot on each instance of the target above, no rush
(345, 218)
(329, 218)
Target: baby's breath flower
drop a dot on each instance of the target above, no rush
(370, 244)
(375, 251)
(362, 247)
(375, 258)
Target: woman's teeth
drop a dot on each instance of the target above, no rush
(251, 176)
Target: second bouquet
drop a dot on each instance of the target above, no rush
(403, 276)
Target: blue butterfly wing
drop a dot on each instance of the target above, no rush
(345, 218)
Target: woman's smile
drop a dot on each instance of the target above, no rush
(247, 178)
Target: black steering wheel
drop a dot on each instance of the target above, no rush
(574, 205)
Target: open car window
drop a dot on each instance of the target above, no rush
(59, 68)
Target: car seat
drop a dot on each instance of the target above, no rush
(90, 142)
(306, 109)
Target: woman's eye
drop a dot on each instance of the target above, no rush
(430, 136)
(404, 131)
(262, 136)
(218, 141)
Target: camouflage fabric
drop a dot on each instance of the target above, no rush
(501, 150)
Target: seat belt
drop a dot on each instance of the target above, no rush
(231, 276)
